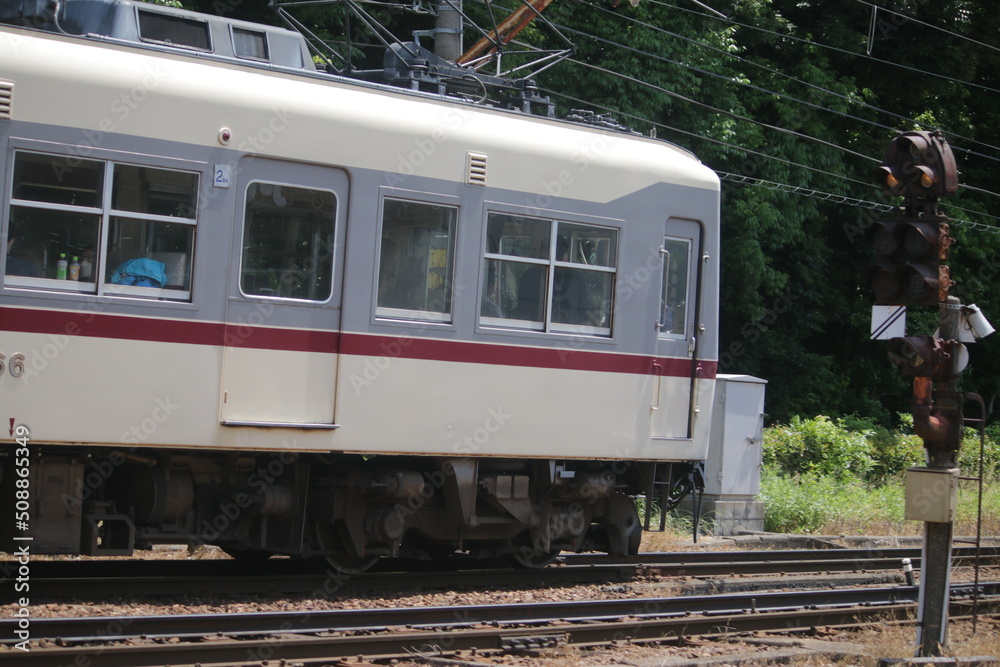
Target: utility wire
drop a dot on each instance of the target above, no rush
(929, 25)
(770, 70)
(783, 187)
(727, 113)
(742, 149)
(723, 112)
(773, 71)
(840, 199)
(827, 46)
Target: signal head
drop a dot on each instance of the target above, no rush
(908, 255)
(918, 165)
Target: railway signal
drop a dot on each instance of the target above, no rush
(925, 356)
(918, 165)
(911, 246)
(910, 250)
(908, 256)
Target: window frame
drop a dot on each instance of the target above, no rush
(244, 230)
(266, 42)
(139, 11)
(664, 285)
(390, 315)
(548, 325)
(100, 287)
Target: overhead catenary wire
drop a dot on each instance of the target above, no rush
(780, 35)
(829, 47)
(928, 25)
(770, 70)
(695, 135)
(731, 114)
(730, 78)
(848, 98)
(785, 187)
(739, 117)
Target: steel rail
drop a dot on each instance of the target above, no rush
(74, 629)
(53, 585)
(384, 645)
(60, 579)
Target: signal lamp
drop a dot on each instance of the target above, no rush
(908, 255)
(922, 356)
(918, 165)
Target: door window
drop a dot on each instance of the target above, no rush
(676, 257)
(288, 237)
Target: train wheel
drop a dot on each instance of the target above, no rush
(338, 551)
(529, 556)
(534, 560)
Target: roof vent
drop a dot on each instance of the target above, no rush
(476, 172)
(6, 99)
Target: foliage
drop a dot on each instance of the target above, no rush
(794, 505)
(855, 449)
(846, 476)
(824, 505)
(795, 92)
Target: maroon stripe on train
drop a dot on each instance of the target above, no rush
(512, 355)
(123, 327)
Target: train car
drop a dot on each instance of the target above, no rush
(250, 303)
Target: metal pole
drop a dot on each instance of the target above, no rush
(941, 454)
(934, 582)
(448, 30)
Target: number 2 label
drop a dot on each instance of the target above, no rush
(220, 176)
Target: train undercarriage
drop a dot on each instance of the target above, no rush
(349, 509)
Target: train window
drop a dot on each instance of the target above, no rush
(288, 242)
(151, 232)
(548, 275)
(68, 228)
(250, 44)
(676, 254)
(417, 261)
(174, 30)
(57, 179)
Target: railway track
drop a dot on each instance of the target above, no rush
(115, 578)
(316, 637)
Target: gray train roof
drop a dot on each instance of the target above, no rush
(163, 27)
(219, 39)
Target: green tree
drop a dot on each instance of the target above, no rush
(798, 99)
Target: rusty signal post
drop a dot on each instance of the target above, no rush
(911, 247)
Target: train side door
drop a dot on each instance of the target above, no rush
(283, 309)
(676, 330)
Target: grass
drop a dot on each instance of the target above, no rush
(827, 506)
(824, 505)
